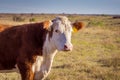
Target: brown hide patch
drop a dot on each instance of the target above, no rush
(23, 40)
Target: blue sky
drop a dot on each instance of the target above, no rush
(61, 6)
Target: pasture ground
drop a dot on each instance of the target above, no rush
(96, 53)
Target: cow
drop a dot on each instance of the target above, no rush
(32, 47)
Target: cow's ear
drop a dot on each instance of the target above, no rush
(47, 24)
(77, 26)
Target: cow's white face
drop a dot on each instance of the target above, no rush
(61, 31)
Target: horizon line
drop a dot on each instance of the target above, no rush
(58, 13)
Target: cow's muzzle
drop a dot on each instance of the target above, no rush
(68, 47)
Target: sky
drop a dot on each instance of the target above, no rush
(61, 6)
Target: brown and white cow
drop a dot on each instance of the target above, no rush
(32, 47)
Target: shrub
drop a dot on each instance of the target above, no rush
(18, 18)
(32, 19)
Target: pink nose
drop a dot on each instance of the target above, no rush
(68, 47)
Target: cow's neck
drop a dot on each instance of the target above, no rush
(49, 47)
(43, 63)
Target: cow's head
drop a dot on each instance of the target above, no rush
(60, 32)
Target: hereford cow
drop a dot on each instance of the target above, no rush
(32, 47)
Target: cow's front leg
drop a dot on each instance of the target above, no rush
(45, 68)
(25, 70)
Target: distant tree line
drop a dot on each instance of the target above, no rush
(22, 19)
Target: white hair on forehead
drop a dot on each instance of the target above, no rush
(64, 19)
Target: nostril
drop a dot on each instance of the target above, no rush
(68, 47)
(65, 47)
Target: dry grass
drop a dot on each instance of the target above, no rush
(96, 53)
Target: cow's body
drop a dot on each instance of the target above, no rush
(21, 45)
(32, 47)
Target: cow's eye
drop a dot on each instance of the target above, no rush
(56, 31)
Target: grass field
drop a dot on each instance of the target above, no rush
(96, 53)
